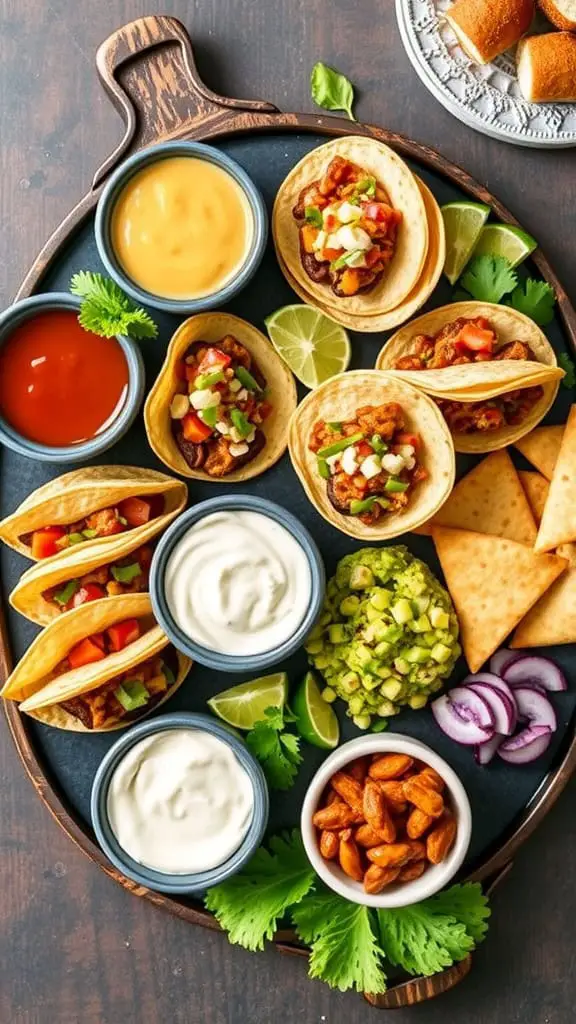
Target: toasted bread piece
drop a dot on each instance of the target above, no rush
(562, 13)
(547, 68)
(486, 28)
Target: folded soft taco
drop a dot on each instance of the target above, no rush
(88, 506)
(351, 228)
(373, 454)
(222, 402)
(98, 667)
(491, 370)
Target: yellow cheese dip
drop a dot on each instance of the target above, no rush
(181, 228)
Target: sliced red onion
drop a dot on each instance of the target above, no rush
(533, 669)
(501, 659)
(494, 681)
(484, 752)
(535, 708)
(464, 716)
(526, 746)
(502, 706)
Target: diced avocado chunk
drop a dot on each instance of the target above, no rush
(391, 689)
(417, 655)
(362, 721)
(418, 700)
(402, 666)
(356, 705)
(350, 605)
(439, 618)
(361, 577)
(441, 653)
(421, 625)
(372, 682)
(363, 655)
(386, 708)
(329, 695)
(337, 633)
(421, 604)
(402, 611)
(381, 599)
(373, 614)
(382, 650)
(315, 646)
(350, 681)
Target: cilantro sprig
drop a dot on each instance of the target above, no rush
(567, 364)
(535, 299)
(489, 278)
(331, 90)
(107, 311)
(277, 750)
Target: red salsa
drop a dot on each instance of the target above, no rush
(59, 384)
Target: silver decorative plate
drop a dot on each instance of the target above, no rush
(485, 97)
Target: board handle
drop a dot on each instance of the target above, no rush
(148, 70)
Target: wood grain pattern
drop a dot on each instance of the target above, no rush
(262, 1005)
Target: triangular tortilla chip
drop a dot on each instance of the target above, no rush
(536, 488)
(493, 583)
(558, 524)
(552, 620)
(541, 447)
(490, 499)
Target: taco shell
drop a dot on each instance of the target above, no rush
(211, 328)
(405, 269)
(71, 497)
(339, 398)
(475, 382)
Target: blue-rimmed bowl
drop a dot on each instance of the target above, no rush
(120, 179)
(205, 655)
(177, 884)
(15, 315)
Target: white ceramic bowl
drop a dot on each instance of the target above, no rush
(436, 876)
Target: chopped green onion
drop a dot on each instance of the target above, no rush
(366, 187)
(313, 216)
(241, 422)
(132, 694)
(67, 592)
(89, 534)
(358, 507)
(345, 259)
(340, 446)
(126, 573)
(168, 674)
(76, 538)
(324, 469)
(246, 378)
(210, 415)
(335, 426)
(394, 486)
(206, 380)
(378, 444)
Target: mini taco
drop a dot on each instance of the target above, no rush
(86, 507)
(491, 370)
(373, 454)
(98, 667)
(222, 402)
(350, 226)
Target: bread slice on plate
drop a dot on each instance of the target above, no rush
(547, 68)
(486, 28)
(562, 13)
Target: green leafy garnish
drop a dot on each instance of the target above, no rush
(489, 278)
(365, 187)
(107, 311)
(427, 937)
(331, 90)
(535, 299)
(313, 216)
(277, 751)
(567, 364)
(343, 943)
(250, 904)
(126, 573)
(67, 592)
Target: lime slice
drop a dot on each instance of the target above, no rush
(244, 705)
(315, 719)
(463, 223)
(505, 240)
(314, 347)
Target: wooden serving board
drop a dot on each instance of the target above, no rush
(149, 72)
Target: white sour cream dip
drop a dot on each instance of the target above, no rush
(180, 802)
(238, 583)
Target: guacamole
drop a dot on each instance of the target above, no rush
(388, 635)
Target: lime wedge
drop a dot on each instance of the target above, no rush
(463, 223)
(244, 705)
(313, 346)
(315, 719)
(505, 240)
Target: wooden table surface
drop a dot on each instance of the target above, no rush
(74, 946)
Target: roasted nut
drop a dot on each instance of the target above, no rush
(441, 839)
(418, 823)
(366, 836)
(333, 798)
(412, 871)
(358, 769)
(376, 811)
(377, 878)
(390, 855)
(394, 794)
(389, 766)
(349, 857)
(335, 816)
(418, 849)
(432, 778)
(329, 844)
(423, 797)
(349, 789)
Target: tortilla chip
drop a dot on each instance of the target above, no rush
(553, 619)
(536, 488)
(493, 583)
(396, 177)
(490, 499)
(339, 398)
(71, 497)
(281, 387)
(558, 524)
(541, 448)
(433, 266)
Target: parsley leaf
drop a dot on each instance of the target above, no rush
(489, 278)
(535, 299)
(331, 90)
(107, 311)
(567, 364)
(278, 751)
(344, 949)
(250, 904)
(427, 937)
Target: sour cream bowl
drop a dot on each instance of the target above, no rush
(153, 830)
(237, 583)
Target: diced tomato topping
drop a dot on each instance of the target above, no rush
(378, 212)
(85, 653)
(372, 255)
(123, 633)
(405, 438)
(364, 449)
(331, 222)
(475, 339)
(214, 359)
(194, 429)
(265, 408)
(87, 592)
(190, 372)
(99, 640)
(180, 368)
(136, 511)
(44, 542)
(331, 254)
(247, 407)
